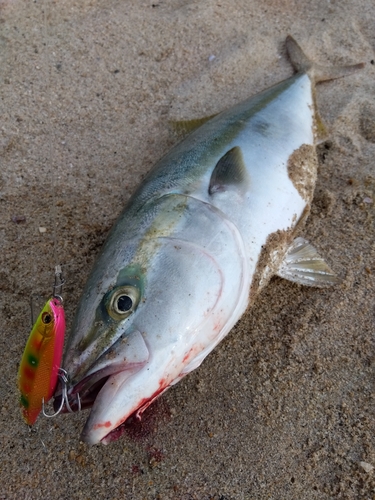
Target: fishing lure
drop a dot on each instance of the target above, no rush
(41, 360)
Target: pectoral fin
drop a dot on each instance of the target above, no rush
(302, 264)
(229, 171)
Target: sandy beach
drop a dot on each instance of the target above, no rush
(284, 407)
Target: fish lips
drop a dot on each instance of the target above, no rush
(127, 356)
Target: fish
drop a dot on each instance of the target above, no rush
(214, 220)
(41, 360)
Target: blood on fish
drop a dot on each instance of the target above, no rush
(186, 357)
(190, 354)
(106, 424)
(141, 429)
(145, 402)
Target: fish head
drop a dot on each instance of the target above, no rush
(153, 308)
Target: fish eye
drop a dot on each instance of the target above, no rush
(122, 302)
(46, 318)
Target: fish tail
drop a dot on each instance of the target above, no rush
(316, 72)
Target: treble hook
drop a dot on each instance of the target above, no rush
(63, 377)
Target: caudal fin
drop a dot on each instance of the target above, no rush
(317, 73)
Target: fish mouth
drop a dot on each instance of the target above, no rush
(76, 400)
(127, 356)
(82, 396)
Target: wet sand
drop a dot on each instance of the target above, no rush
(284, 407)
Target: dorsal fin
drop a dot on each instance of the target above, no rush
(230, 170)
(317, 73)
(184, 127)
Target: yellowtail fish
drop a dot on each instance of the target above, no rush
(213, 221)
(41, 360)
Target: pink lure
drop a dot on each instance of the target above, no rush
(41, 360)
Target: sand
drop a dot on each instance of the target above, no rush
(284, 407)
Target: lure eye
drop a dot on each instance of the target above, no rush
(122, 302)
(46, 318)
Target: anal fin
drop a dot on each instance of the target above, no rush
(302, 264)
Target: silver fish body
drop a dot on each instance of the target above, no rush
(213, 221)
